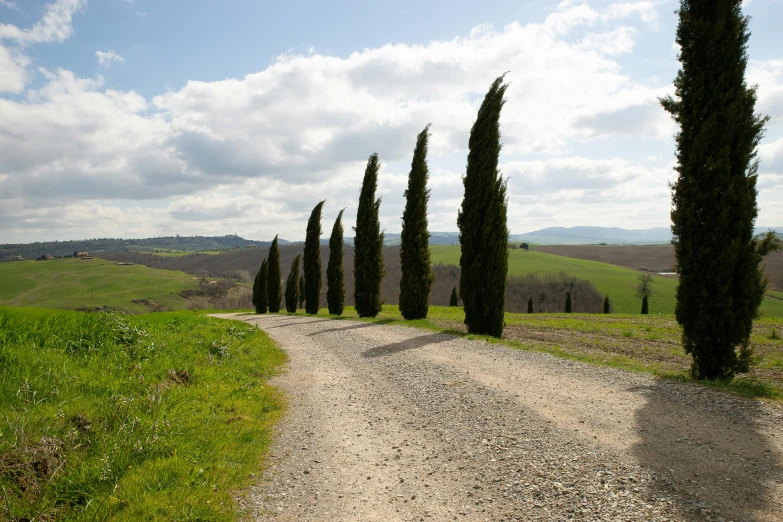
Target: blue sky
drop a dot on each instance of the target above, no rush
(155, 117)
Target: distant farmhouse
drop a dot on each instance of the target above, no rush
(76, 253)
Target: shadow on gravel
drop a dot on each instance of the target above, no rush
(711, 445)
(410, 344)
(295, 322)
(352, 327)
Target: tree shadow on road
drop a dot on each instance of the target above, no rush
(711, 445)
(409, 344)
(352, 326)
(295, 322)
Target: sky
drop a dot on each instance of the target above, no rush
(141, 118)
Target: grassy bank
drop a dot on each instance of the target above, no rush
(108, 417)
(649, 344)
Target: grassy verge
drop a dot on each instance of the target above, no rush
(648, 344)
(108, 417)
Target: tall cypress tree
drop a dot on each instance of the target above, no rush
(292, 286)
(482, 222)
(273, 278)
(714, 209)
(454, 299)
(568, 302)
(301, 291)
(254, 300)
(645, 306)
(312, 261)
(607, 305)
(335, 286)
(262, 301)
(530, 305)
(368, 245)
(417, 279)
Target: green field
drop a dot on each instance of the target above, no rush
(618, 282)
(149, 417)
(77, 283)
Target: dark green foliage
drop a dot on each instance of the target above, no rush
(714, 209)
(530, 305)
(274, 279)
(261, 300)
(645, 306)
(312, 261)
(524, 246)
(607, 305)
(417, 279)
(482, 222)
(301, 291)
(568, 303)
(368, 246)
(292, 286)
(335, 285)
(454, 299)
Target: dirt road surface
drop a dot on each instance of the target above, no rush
(391, 423)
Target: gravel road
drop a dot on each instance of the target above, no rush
(392, 423)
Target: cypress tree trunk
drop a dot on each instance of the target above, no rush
(335, 285)
(645, 307)
(262, 303)
(482, 222)
(273, 278)
(714, 198)
(416, 281)
(568, 303)
(312, 261)
(530, 305)
(301, 291)
(454, 300)
(607, 306)
(368, 246)
(292, 286)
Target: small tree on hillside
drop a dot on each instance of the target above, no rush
(292, 286)
(416, 281)
(274, 279)
(524, 246)
(645, 307)
(312, 261)
(335, 285)
(368, 245)
(644, 287)
(482, 222)
(607, 305)
(530, 305)
(568, 302)
(454, 300)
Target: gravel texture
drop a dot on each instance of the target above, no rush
(391, 423)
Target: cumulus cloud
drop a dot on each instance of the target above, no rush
(105, 58)
(54, 26)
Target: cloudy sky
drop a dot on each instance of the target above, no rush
(138, 118)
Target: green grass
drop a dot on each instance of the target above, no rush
(616, 281)
(77, 283)
(647, 344)
(180, 253)
(151, 417)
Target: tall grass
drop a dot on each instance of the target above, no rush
(155, 417)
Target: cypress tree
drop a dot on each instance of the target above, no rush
(416, 281)
(312, 261)
(335, 286)
(530, 305)
(607, 305)
(454, 300)
(568, 302)
(262, 301)
(254, 300)
(292, 286)
(368, 245)
(482, 222)
(714, 209)
(301, 291)
(645, 306)
(273, 278)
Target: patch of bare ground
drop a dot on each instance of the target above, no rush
(395, 423)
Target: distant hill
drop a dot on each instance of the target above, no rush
(601, 235)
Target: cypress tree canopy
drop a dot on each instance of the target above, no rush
(482, 222)
(568, 302)
(368, 245)
(714, 209)
(454, 299)
(607, 305)
(301, 291)
(254, 300)
(645, 306)
(292, 286)
(417, 279)
(335, 285)
(262, 299)
(530, 305)
(274, 278)
(312, 261)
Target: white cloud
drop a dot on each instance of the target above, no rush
(13, 66)
(54, 26)
(105, 58)
(9, 4)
